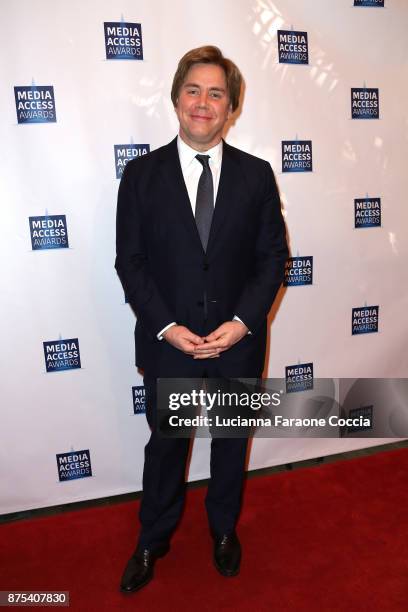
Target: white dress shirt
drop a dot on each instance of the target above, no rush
(192, 169)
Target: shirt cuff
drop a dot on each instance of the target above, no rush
(235, 318)
(160, 334)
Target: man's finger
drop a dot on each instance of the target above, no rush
(202, 350)
(188, 347)
(215, 335)
(196, 340)
(207, 346)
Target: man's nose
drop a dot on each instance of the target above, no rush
(203, 99)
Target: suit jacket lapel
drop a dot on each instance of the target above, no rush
(227, 187)
(173, 177)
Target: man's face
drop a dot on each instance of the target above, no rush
(203, 106)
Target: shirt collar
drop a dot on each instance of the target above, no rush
(187, 153)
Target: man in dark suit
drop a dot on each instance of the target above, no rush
(201, 249)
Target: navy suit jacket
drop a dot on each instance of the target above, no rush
(167, 276)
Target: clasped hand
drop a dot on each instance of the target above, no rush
(208, 347)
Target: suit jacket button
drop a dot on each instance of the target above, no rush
(201, 303)
(205, 267)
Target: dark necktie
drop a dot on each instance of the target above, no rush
(205, 201)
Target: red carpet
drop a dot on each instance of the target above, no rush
(329, 538)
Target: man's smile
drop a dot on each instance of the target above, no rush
(200, 118)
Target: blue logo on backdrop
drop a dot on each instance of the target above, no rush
(62, 355)
(293, 47)
(298, 271)
(367, 212)
(365, 103)
(365, 412)
(123, 40)
(48, 232)
(35, 104)
(297, 156)
(299, 377)
(368, 2)
(73, 465)
(139, 399)
(364, 320)
(126, 152)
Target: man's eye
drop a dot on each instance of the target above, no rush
(215, 94)
(192, 91)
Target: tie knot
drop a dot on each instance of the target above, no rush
(204, 160)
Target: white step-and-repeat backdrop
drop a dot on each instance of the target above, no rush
(85, 86)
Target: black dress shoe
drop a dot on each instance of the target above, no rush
(139, 568)
(227, 554)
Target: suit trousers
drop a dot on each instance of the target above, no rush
(164, 481)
